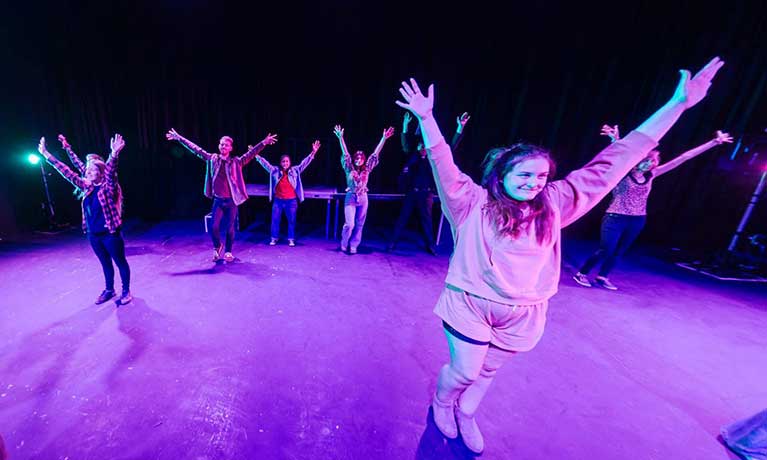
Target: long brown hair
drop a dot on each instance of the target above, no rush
(509, 214)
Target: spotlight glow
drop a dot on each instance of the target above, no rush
(33, 158)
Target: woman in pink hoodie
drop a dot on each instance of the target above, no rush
(507, 232)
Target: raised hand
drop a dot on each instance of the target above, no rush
(42, 149)
(611, 131)
(315, 146)
(270, 139)
(690, 91)
(415, 101)
(463, 119)
(172, 135)
(338, 131)
(64, 144)
(406, 121)
(722, 138)
(116, 144)
(388, 132)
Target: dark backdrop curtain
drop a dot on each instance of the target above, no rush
(544, 72)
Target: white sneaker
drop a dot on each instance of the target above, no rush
(228, 257)
(291, 243)
(582, 279)
(605, 283)
(273, 242)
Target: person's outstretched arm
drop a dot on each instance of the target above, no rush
(76, 161)
(116, 145)
(315, 146)
(172, 135)
(719, 139)
(254, 150)
(346, 159)
(458, 135)
(376, 155)
(582, 189)
(457, 192)
(403, 138)
(60, 167)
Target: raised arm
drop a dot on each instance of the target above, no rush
(457, 192)
(346, 159)
(582, 189)
(254, 150)
(458, 135)
(315, 146)
(172, 135)
(116, 145)
(79, 165)
(60, 167)
(719, 139)
(407, 148)
(376, 155)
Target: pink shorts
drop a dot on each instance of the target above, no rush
(510, 327)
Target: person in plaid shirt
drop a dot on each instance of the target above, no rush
(224, 183)
(102, 214)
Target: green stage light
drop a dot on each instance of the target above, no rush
(33, 158)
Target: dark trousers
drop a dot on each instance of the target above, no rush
(290, 208)
(617, 233)
(109, 247)
(224, 209)
(423, 201)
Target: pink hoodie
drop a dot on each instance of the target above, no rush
(521, 271)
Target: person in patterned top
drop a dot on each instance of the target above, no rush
(357, 170)
(101, 206)
(626, 215)
(224, 184)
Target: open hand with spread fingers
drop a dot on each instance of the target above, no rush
(415, 101)
(721, 138)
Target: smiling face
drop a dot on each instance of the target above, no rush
(359, 158)
(225, 146)
(285, 162)
(94, 172)
(649, 163)
(527, 178)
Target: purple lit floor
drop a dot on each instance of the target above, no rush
(307, 353)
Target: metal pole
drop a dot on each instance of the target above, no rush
(749, 210)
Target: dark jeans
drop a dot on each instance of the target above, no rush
(109, 247)
(424, 201)
(289, 207)
(223, 208)
(617, 234)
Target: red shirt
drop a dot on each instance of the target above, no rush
(284, 190)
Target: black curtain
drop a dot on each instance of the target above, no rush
(544, 72)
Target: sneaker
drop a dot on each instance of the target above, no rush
(605, 283)
(228, 257)
(273, 242)
(352, 250)
(125, 298)
(291, 243)
(105, 295)
(217, 253)
(582, 279)
(472, 437)
(444, 418)
(343, 249)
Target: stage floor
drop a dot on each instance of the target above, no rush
(308, 353)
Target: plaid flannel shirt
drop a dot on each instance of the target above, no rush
(109, 194)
